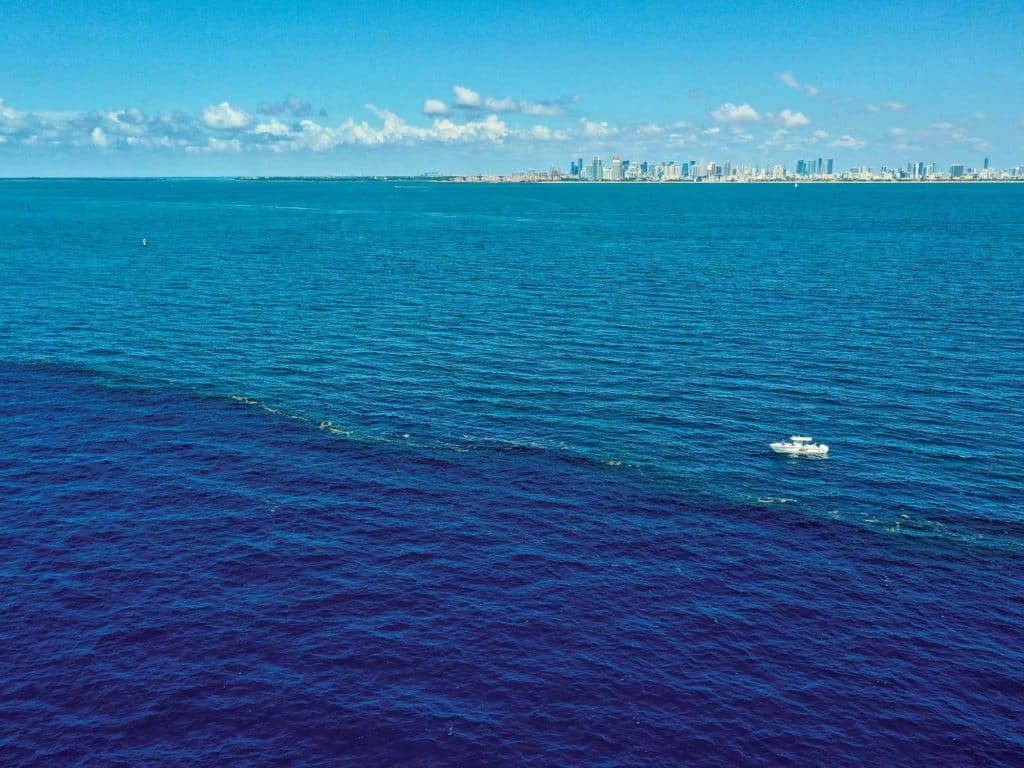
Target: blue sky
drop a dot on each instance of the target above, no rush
(97, 88)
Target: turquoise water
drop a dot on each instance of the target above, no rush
(363, 473)
(674, 329)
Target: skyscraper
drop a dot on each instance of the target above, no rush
(597, 169)
(829, 164)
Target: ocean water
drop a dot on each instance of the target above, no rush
(338, 473)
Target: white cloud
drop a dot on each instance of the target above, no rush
(274, 128)
(650, 129)
(980, 116)
(225, 117)
(681, 139)
(11, 120)
(740, 134)
(791, 82)
(896, 106)
(99, 138)
(312, 136)
(730, 113)
(598, 130)
(849, 142)
(501, 105)
(490, 129)
(543, 133)
(898, 131)
(712, 131)
(792, 119)
(131, 122)
(949, 132)
(175, 122)
(821, 134)
(224, 145)
(466, 97)
(434, 107)
(873, 108)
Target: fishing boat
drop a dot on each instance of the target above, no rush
(799, 445)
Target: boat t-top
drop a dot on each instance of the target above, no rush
(798, 445)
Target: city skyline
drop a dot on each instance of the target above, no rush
(232, 89)
(812, 169)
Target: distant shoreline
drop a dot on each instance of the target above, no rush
(575, 182)
(735, 183)
(491, 180)
(630, 182)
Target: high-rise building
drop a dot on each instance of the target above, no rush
(820, 167)
(829, 165)
(956, 171)
(986, 163)
(597, 169)
(617, 168)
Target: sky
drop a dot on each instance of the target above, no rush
(347, 88)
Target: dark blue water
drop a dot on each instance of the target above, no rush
(356, 474)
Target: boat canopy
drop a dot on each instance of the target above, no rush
(800, 439)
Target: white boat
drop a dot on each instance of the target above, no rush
(798, 445)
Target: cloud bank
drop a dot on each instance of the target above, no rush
(468, 117)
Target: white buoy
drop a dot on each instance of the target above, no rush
(144, 242)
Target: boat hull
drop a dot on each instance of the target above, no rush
(800, 450)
